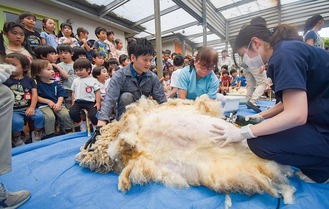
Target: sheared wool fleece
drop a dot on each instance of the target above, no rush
(172, 144)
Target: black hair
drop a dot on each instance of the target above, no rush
(25, 62)
(98, 30)
(140, 47)
(110, 70)
(225, 72)
(77, 51)
(97, 71)
(117, 41)
(311, 22)
(167, 51)
(271, 36)
(122, 58)
(44, 21)
(81, 30)
(98, 54)
(65, 24)
(82, 63)
(258, 21)
(178, 60)
(44, 50)
(24, 15)
(7, 27)
(110, 32)
(113, 61)
(233, 71)
(224, 50)
(224, 66)
(64, 48)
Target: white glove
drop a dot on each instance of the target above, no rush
(5, 71)
(257, 118)
(226, 134)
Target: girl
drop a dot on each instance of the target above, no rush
(102, 76)
(296, 131)
(16, 40)
(51, 95)
(68, 37)
(26, 97)
(312, 26)
(32, 36)
(118, 47)
(48, 36)
(124, 60)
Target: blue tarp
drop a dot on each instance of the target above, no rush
(47, 169)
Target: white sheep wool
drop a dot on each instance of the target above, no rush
(172, 144)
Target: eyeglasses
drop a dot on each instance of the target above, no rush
(209, 67)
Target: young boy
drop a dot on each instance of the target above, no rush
(132, 82)
(65, 54)
(111, 43)
(85, 93)
(225, 82)
(98, 59)
(47, 52)
(235, 79)
(100, 45)
(83, 42)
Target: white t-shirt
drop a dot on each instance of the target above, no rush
(84, 89)
(174, 78)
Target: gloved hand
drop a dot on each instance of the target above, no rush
(226, 134)
(5, 71)
(257, 118)
(93, 138)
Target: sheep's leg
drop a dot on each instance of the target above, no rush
(124, 183)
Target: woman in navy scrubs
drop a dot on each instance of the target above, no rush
(296, 131)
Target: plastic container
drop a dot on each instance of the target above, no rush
(231, 104)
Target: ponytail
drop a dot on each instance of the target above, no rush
(284, 32)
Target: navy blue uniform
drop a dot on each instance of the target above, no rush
(297, 65)
(51, 91)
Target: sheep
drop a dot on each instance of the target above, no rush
(172, 144)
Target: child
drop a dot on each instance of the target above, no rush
(48, 35)
(98, 59)
(111, 43)
(124, 60)
(51, 95)
(82, 37)
(79, 52)
(100, 45)
(235, 79)
(66, 53)
(26, 97)
(85, 93)
(102, 76)
(112, 70)
(16, 40)
(243, 79)
(33, 37)
(166, 82)
(118, 47)
(47, 52)
(67, 37)
(225, 82)
(112, 62)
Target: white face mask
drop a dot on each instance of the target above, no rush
(255, 62)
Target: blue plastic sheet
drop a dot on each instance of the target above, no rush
(47, 169)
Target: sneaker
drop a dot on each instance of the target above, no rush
(36, 136)
(254, 107)
(11, 200)
(83, 126)
(17, 141)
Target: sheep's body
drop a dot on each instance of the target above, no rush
(171, 143)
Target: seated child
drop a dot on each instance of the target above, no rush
(102, 76)
(26, 98)
(85, 93)
(235, 79)
(225, 82)
(51, 95)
